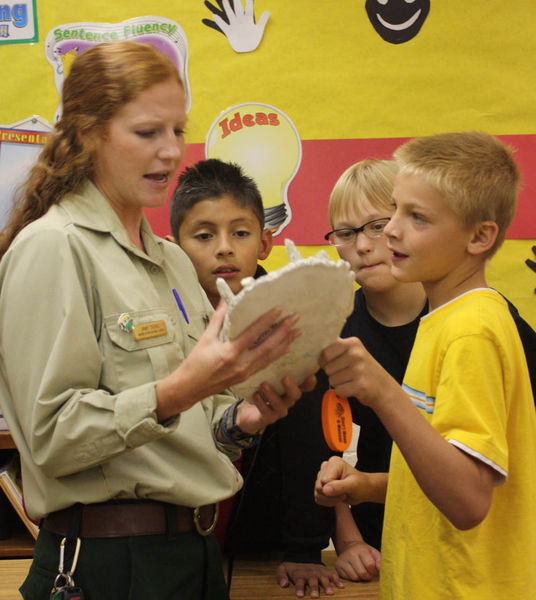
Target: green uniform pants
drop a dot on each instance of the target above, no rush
(182, 566)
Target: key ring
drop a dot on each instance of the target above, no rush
(67, 581)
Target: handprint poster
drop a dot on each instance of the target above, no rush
(237, 23)
(355, 79)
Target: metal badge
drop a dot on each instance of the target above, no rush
(125, 323)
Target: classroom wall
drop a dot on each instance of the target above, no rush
(341, 88)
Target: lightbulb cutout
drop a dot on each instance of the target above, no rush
(265, 143)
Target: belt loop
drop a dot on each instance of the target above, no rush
(75, 522)
(72, 534)
(172, 521)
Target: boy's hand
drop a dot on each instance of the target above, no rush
(353, 372)
(338, 482)
(358, 562)
(311, 575)
(269, 406)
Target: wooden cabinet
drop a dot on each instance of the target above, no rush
(6, 441)
(20, 543)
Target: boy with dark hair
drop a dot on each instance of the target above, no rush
(459, 520)
(217, 218)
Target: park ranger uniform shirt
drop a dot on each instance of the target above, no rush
(88, 325)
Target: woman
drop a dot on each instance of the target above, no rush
(110, 379)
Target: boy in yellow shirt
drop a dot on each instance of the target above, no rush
(460, 519)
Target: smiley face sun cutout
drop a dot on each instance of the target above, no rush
(397, 21)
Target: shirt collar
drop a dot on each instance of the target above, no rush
(90, 209)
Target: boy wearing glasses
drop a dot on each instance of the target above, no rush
(385, 317)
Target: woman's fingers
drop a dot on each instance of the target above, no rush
(267, 327)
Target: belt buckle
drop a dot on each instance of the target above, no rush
(197, 520)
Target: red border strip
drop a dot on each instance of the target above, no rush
(324, 160)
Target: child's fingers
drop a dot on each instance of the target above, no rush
(331, 470)
(336, 490)
(330, 353)
(340, 354)
(309, 384)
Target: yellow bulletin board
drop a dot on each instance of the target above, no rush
(347, 91)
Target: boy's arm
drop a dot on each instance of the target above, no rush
(356, 560)
(306, 527)
(459, 486)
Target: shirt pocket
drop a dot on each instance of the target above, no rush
(143, 352)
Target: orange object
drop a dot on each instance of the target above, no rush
(336, 421)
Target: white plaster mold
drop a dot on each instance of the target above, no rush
(318, 289)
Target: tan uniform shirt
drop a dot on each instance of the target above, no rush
(77, 390)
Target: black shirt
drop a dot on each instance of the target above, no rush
(391, 347)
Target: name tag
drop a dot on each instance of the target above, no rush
(144, 331)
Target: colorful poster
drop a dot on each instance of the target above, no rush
(65, 42)
(18, 22)
(20, 145)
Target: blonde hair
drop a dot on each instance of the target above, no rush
(101, 81)
(370, 179)
(475, 173)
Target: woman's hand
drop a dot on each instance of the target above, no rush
(268, 406)
(213, 365)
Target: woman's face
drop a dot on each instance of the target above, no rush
(136, 158)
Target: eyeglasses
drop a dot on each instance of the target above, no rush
(348, 235)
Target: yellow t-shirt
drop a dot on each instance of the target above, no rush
(468, 376)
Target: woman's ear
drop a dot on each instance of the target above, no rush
(484, 236)
(86, 139)
(90, 138)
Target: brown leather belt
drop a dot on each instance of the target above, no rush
(126, 519)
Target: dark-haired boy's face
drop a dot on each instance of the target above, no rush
(223, 239)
